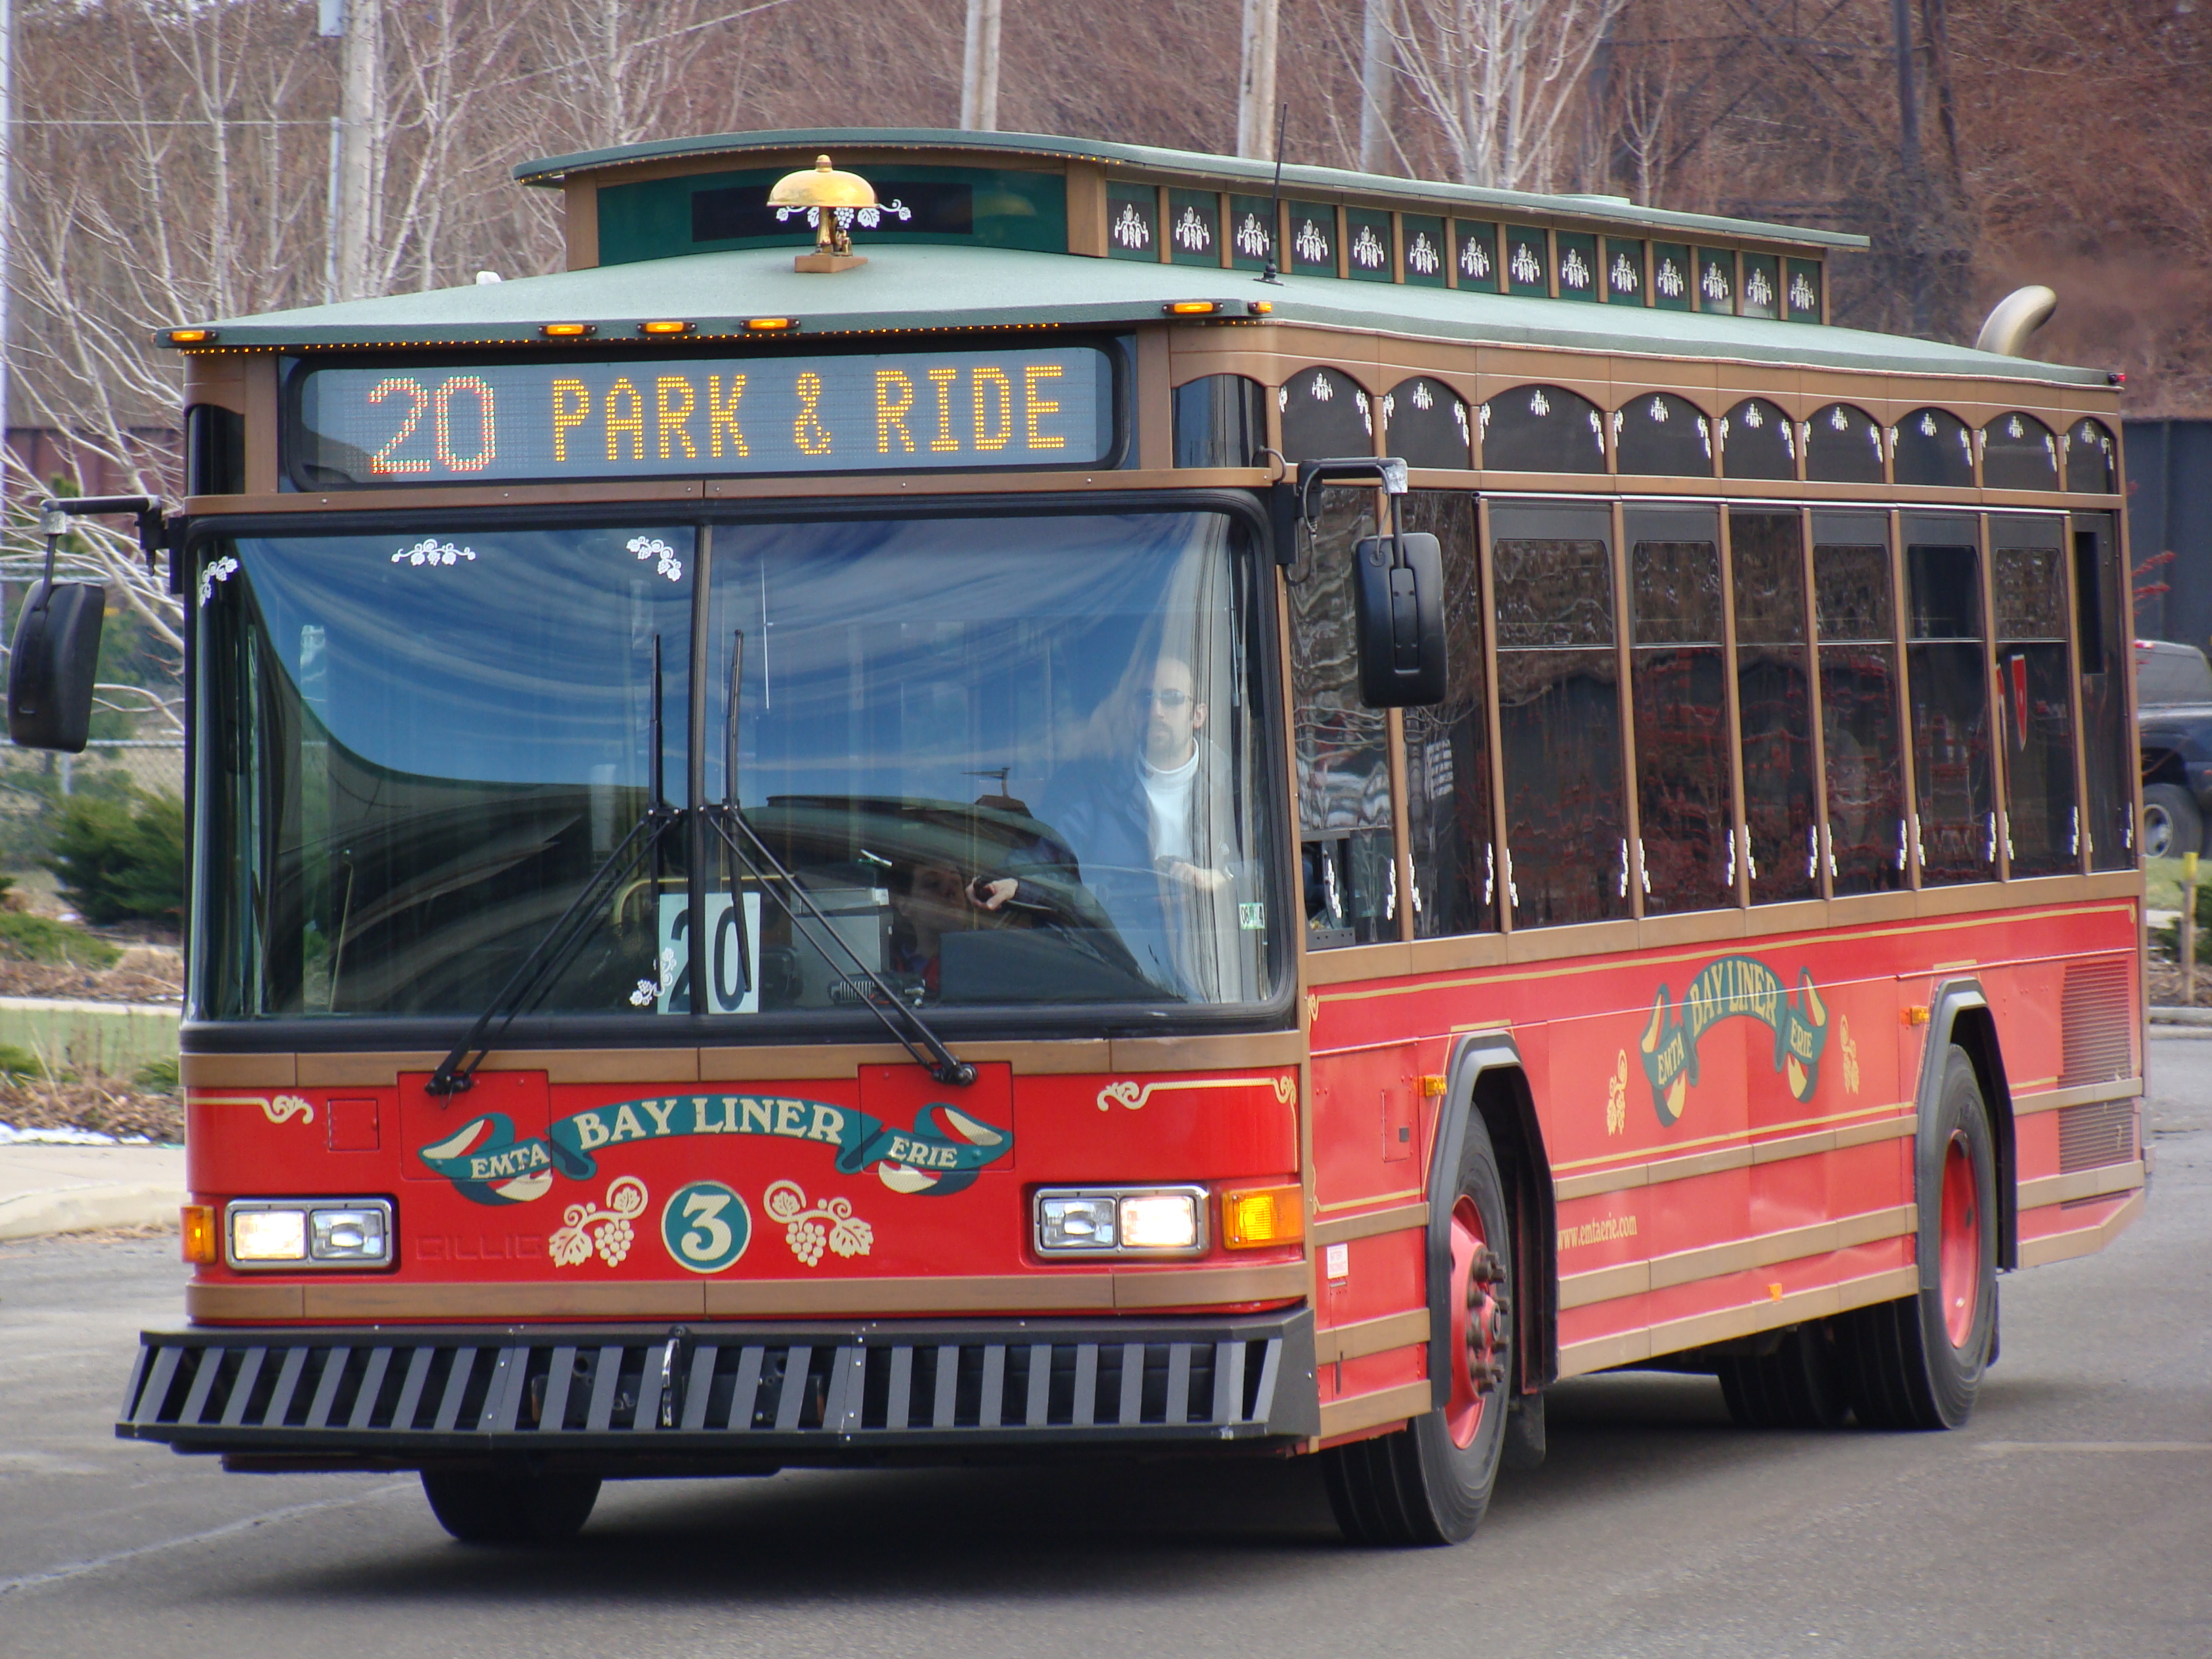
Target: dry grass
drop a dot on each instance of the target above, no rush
(106, 1104)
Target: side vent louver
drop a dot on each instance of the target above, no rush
(2096, 1019)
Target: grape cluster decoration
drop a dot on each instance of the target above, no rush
(811, 1228)
(604, 1229)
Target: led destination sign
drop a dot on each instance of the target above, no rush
(660, 418)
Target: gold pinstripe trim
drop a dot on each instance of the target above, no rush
(1662, 1171)
(1398, 1330)
(1368, 1410)
(1401, 1217)
(1611, 961)
(2052, 1100)
(2082, 1241)
(2080, 1183)
(1601, 1354)
(1711, 1260)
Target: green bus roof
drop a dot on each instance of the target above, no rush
(1603, 212)
(913, 288)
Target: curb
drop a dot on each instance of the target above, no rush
(81, 1209)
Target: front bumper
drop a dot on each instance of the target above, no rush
(668, 1397)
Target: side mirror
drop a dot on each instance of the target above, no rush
(50, 675)
(1398, 589)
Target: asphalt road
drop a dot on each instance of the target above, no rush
(2072, 1517)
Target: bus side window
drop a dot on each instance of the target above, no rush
(2042, 817)
(1859, 729)
(1774, 692)
(1220, 420)
(1558, 703)
(1448, 813)
(1343, 746)
(2109, 747)
(1955, 805)
(1686, 809)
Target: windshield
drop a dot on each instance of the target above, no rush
(1003, 761)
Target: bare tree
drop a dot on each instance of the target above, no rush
(1502, 79)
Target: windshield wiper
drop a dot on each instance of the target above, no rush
(911, 1031)
(554, 950)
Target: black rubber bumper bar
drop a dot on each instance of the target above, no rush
(719, 1389)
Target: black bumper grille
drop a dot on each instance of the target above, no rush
(719, 1390)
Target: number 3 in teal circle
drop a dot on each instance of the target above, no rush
(706, 1226)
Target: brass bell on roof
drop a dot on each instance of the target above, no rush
(824, 190)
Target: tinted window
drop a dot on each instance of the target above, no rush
(1220, 420)
(1774, 697)
(2028, 565)
(2109, 748)
(1842, 445)
(1933, 447)
(1325, 413)
(1860, 734)
(1424, 423)
(2019, 452)
(1542, 428)
(2092, 463)
(1757, 442)
(1448, 818)
(1342, 746)
(1956, 806)
(1560, 715)
(1684, 796)
(1659, 433)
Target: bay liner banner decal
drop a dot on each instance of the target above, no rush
(1723, 990)
(940, 1155)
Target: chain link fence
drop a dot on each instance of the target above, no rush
(33, 784)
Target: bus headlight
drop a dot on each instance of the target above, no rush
(309, 1233)
(1120, 1221)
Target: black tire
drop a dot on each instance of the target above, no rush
(1903, 1365)
(511, 1509)
(1415, 1486)
(2172, 823)
(1799, 1386)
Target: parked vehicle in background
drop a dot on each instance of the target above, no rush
(2173, 736)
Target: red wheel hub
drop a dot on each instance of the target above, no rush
(1480, 1331)
(1959, 1242)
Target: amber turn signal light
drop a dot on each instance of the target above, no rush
(1255, 1217)
(191, 336)
(568, 331)
(200, 1246)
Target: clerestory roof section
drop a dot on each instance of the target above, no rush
(913, 288)
(1195, 167)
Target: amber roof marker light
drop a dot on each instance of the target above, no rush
(834, 199)
(189, 337)
(665, 327)
(771, 325)
(568, 331)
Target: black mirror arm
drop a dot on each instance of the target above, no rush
(1386, 472)
(55, 511)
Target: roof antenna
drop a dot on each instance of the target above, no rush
(1275, 225)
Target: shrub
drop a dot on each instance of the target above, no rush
(16, 1060)
(158, 1075)
(118, 862)
(41, 939)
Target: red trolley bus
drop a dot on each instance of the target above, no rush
(1016, 798)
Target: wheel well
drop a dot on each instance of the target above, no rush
(2163, 766)
(1509, 1113)
(1975, 1032)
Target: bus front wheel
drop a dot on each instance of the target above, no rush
(510, 1508)
(1916, 1363)
(1430, 1482)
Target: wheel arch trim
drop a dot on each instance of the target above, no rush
(1486, 1073)
(1960, 1013)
